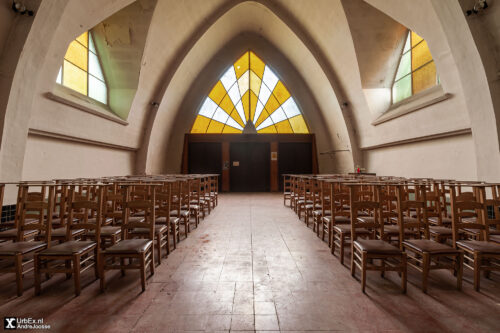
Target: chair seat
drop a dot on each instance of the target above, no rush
(194, 207)
(61, 232)
(376, 246)
(495, 238)
(441, 231)
(68, 248)
(477, 232)
(338, 219)
(107, 220)
(175, 213)
(346, 229)
(311, 206)
(13, 233)
(434, 220)
(130, 246)
(319, 212)
(426, 245)
(21, 247)
(394, 230)
(163, 220)
(159, 229)
(480, 246)
(108, 231)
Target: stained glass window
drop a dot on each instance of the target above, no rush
(416, 71)
(249, 93)
(81, 70)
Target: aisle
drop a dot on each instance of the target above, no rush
(252, 265)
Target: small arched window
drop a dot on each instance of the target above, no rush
(81, 70)
(249, 94)
(416, 71)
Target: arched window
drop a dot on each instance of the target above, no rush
(416, 70)
(249, 95)
(81, 70)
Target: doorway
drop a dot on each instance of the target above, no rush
(249, 163)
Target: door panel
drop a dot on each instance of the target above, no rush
(294, 157)
(250, 162)
(205, 157)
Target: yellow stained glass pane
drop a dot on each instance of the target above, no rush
(243, 83)
(236, 116)
(253, 105)
(84, 39)
(268, 129)
(246, 104)
(257, 65)
(77, 55)
(218, 92)
(200, 124)
(74, 78)
(420, 55)
(215, 127)
(272, 104)
(255, 83)
(241, 65)
(226, 104)
(424, 77)
(281, 93)
(263, 116)
(298, 125)
(229, 129)
(415, 39)
(284, 127)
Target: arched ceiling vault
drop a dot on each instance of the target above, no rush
(283, 38)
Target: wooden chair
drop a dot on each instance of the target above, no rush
(287, 189)
(364, 251)
(139, 251)
(483, 254)
(16, 253)
(424, 254)
(77, 255)
(179, 189)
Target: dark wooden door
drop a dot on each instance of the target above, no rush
(205, 157)
(250, 162)
(294, 157)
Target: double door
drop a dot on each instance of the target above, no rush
(249, 166)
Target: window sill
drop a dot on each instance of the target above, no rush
(416, 102)
(80, 102)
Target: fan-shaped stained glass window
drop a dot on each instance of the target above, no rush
(81, 70)
(416, 70)
(249, 98)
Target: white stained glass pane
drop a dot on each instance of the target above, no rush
(244, 83)
(208, 108)
(229, 78)
(234, 94)
(404, 66)
(91, 44)
(278, 115)
(241, 112)
(220, 115)
(269, 78)
(265, 123)
(290, 107)
(98, 90)
(231, 122)
(264, 94)
(258, 111)
(407, 44)
(95, 66)
(59, 76)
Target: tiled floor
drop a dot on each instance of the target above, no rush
(252, 265)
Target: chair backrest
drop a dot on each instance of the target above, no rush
(138, 204)
(492, 205)
(164, 197)
(466, 205)
(82, 209)
(35, 205)
(361, 200)
(417, 203)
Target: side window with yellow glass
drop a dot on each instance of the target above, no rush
(416, 71)
(81, 70)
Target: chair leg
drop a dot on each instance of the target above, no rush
(38, 277)
(332, 240)
(477, 271)
(158, 248)
(342, 245)
(425, 270)
(122, 263)
(363, 270)
(353, 265)
(152, 267)
(460, 268)
(96, 263)
(102, 273)
(19, 273)
(76, 272)
(143, 272)
(404, 273)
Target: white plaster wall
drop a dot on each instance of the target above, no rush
(48, 158)
(446, 158)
